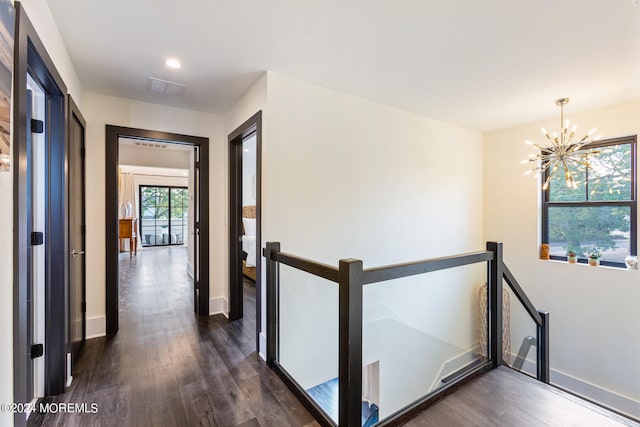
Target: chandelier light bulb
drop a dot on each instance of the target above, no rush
(563, 151)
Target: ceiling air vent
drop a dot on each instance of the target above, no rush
(149, 145)
(165, 87)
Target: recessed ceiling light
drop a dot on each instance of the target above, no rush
(173, 63)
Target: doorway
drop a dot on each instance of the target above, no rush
(245, 215)
(199, 226)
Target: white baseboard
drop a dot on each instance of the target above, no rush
(96, 327)
(190, 270)
(219, 305)
(263, 346)
(602, 396)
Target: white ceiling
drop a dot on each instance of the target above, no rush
(480, 64)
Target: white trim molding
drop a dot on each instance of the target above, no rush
(219, 305)
(263, 346)
(96, 327)
(596, 394)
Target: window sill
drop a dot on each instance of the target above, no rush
(584, 264)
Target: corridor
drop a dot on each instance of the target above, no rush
(166, 367)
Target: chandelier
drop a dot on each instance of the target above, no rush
(563, 152)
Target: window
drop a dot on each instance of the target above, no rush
(163, 215)
(601, 214)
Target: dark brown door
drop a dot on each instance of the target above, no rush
(195, 244)
(77, 304)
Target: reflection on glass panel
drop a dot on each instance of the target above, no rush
(603, 229)
(421, 332)
(308, 335)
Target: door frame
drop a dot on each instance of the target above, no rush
(31, 57)
(253, 124)
(74, 114)
(113, 134)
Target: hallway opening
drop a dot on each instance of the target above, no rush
(127, 206)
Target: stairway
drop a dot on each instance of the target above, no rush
(326, 395)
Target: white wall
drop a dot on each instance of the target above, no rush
(595, 321)
(345, 177)
(40, 16)
(100, 110)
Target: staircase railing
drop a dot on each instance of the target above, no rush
(351, 278)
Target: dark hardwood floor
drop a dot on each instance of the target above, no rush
(503, 397)
(167, 367)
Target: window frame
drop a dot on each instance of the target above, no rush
(140, 207)
(632, 203)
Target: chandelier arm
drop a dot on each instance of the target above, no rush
(563, 151)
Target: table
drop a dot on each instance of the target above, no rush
(129, 230)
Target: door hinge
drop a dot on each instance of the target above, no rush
(197, 225)
(37, 350)
(37, 126)
(196, 165)
(37, 238)
(197, 285)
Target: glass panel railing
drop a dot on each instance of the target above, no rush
(308, 335)
(421, 333)
(520, 329)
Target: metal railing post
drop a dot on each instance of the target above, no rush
(350, 343)
(272, 303)
(543, 348)
(496, 272)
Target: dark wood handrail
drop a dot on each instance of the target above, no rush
(396, 271)
(351, 278)
(521, 295)
(325, 271)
